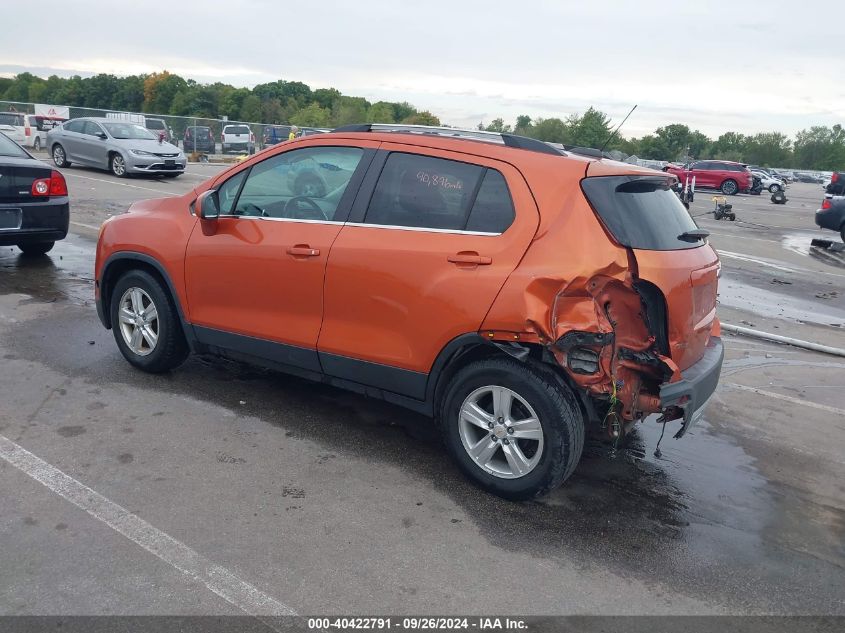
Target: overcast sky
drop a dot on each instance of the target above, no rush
(714, 65)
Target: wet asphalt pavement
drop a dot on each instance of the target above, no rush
(333, 503)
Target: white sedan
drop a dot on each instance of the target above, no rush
(772, 184)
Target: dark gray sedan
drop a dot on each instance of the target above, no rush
(122, 147)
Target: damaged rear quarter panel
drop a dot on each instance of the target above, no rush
(575, 278)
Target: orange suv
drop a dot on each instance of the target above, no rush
(521, 295)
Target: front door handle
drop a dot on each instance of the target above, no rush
(471, 258)
(303, 250)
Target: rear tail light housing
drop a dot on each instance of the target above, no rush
(826, 204)
(55, 185)
(834, 177)
(27, 131)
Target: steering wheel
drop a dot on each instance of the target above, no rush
(293, 210)
(249, 206)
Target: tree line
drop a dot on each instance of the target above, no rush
(293, 102)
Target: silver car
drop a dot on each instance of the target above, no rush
(122, 147)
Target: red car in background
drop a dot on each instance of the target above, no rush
(727, 176)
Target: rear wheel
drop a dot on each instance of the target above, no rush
(117, 165)
(37, 144)
(512, 429)
(59, 156)
(36, 248)
(145, 323)
(729, 187)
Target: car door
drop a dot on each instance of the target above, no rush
(432, 239)
(254, 276)
(97, 146)
(71, 139)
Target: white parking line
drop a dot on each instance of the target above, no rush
(218, 579)
(780, 396)
(122, 184)
(754, 260)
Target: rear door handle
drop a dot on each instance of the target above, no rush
(470, 257)
(303, 250)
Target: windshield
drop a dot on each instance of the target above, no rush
(9, 148)
(640, 212)
(129, 131)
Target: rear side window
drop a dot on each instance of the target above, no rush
(493, 209)
(436, 193)
(74, 126)
(641, 213)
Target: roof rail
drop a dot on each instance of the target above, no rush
(510, 140)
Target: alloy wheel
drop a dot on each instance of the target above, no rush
(501, 432)
(139, 321)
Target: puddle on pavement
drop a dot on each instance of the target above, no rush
(736, 294)
(66, 273)
(801, 243)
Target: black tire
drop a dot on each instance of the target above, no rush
(60, 160)
(842, 232)
(171, 349)
(117, 165)
(729, 187)
(560, 418)
(36, 145)
(774, 188)
(36, 248)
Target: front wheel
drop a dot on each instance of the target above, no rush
(59, 156)
(514, 430)
(774, 188)
(36, 248)
(729, 187)
(145, 323)
(117, 165)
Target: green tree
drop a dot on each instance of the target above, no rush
(552, 130)
(251, 109)
(590, 129)
(820, 147)
(380, 112)
(769, 149)
(523, 125)
(313, 115)
(422, 118)
(498, 125)
(160, 89)
(326, 97)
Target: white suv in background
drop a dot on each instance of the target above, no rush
(27, 130)
(237, 137)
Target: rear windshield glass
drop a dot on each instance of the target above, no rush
(236, 129)
(155, 124)
(9, 148)
(640, 212)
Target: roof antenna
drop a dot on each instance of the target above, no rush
(610, 138)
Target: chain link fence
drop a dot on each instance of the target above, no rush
(191, 134)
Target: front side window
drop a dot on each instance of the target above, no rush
(91, 129)
(304, 184)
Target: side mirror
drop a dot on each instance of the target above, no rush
(102, 136)
(208, 205)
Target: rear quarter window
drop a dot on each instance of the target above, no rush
(640, 212)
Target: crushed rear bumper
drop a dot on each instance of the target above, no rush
(697, 384)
